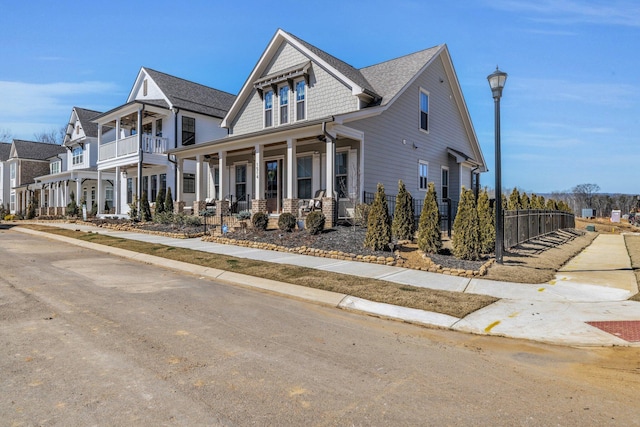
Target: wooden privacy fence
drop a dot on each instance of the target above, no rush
(523, 225)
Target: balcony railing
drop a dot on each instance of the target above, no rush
(129, 145)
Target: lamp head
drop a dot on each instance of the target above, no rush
(497, 80)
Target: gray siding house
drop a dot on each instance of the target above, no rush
(305, 121)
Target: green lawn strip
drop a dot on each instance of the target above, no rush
(455, 304)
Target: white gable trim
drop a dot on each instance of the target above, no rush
(142, 76)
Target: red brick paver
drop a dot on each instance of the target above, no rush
(628, 330)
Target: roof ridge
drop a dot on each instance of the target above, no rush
(187, 81)
(402, 56)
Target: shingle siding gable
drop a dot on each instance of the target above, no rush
(326, 95)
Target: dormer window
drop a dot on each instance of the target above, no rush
(54, 167)
(268, 108)
(301, 94)
(284, 104)
(77, 156)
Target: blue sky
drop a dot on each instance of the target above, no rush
(570, 108)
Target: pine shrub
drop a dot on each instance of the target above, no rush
(525, 202)
(486, 218)
(378, 234)
(314, 223)
(429, 235)
(466, 228)
(514, 202)
(551, 205)
(287, 222)
(168, 201)
(72, 207)
(260, 220)
(159, 208)
(403, 226)
(145, 209)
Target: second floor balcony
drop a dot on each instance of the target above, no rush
(128, 146)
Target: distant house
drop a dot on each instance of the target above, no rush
(162, 112)
(306, 124)
(75, 170)
(28, 160)
(5, 150)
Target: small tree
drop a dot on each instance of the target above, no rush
(551, 205)
(168, 201)
(159, 208)
(403, 226)
(429, 235)
(378, 234)
(72, 207)
(514, 202)
(466, 228)
(133, 209)
(145, 208)
(94, 208)
(486, 218)
(525, 202)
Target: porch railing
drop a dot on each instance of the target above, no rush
(523, 225)
(129, 145)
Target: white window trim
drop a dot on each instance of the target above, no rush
(264, 110)
(77, 159)
(13, 171)
(426, 92)
(443, 168)
(295, 99)
(298, 156)
(420, 164)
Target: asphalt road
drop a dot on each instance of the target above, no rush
(92, 339)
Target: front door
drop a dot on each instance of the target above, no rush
(273, 185)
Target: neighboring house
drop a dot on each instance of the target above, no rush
(162, 112)
(5, 150)
(75, 171)
(306, 121)
(28, 160)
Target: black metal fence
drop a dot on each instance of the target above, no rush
(447, 208)
(523, 225)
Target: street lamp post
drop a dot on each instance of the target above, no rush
(496, 81)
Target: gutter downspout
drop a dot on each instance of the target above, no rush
(140, 160)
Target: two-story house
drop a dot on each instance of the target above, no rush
(28, 160)
(162, 112)
(75, 170)
(306, 121)
(5, 150)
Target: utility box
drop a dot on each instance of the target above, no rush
(615, 215)
(588, 213)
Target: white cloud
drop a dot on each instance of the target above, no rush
(610, 12)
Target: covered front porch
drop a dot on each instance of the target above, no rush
(277, 172)
(88, 186)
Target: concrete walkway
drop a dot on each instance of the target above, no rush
(586, 304)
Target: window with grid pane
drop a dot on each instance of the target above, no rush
(304, 177)
(301, 94)
(189, 183)
(268, 108)
(423, 175)
(341, 174)
(424, 111)
(284, 104)
(188, 130)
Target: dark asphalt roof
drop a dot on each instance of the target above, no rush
(36, 150)
(5, 150)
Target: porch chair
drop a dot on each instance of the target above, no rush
(304, 207)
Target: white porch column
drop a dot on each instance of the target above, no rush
(58, 195)
(116, 191)
(100, 195)
(223, 177)
(179, 173)
(259, 185)
(291, 168)
(42, 196)
(199, 178)
(78, 191)
(330, 167)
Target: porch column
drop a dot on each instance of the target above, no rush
(328, 202)
(116, 191)
(223, 175)
(259, 204)
(78, 191)
(290, 203)
(179, 205)
(199, 204)
(140, 154)
(42, 197)
(100, 195)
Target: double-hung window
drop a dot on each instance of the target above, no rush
(268, 108)
(12, 172)
(54, 167)
(342, 174)
(77, 156)
(301, 93)
(424, 111)
(423, 175)
(188, 130)
(154, 188)
(241, 182)
(189, 183)
(304, 177)
(445, 183)
(283, 96)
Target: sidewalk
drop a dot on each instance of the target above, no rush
(587, 298)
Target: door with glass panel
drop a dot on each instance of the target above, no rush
(273, 185)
